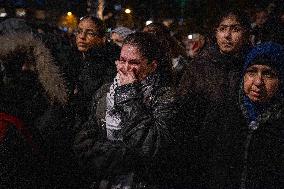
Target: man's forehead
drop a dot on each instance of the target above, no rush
(87, 26)
(230, 19)
(230, 25)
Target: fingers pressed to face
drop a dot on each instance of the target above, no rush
(131, 73)
(127, 77)
(120, 66)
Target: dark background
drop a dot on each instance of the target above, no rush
(200, 11)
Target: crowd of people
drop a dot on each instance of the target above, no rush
(142, 109)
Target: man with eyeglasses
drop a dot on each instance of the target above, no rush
(97, 66)
(90, 33)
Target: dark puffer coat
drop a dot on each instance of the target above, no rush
(148, 109)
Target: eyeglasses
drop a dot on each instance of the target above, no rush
(93, 17)
(88, 33)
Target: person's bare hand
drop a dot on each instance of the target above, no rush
(126, 75)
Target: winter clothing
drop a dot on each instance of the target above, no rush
(140, 147)
(29, 99)
(97, 68)
(210, 74)
(241, 143)
(179, 65)
(235, 155)
(112, 118)
(66, 58)
(44, 66)
(208, 80)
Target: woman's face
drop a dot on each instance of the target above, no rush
(87, 36)
(260, 83)
(132, 61)
(230, 35)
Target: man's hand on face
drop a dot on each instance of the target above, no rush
(127, 74)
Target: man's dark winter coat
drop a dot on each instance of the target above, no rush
(208, 80)
(97, 68)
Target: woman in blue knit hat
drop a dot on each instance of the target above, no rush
(241, 143)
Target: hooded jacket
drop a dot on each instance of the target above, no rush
(48, 74)
(26, 97)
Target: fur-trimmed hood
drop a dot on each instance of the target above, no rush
(48, 73)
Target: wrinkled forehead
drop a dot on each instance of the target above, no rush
(267, 62)
(88, 24)
(262, 68)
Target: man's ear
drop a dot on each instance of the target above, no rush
(104, 39)
(154, 64)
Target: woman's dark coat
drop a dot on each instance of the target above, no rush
(148, 109)
(230, 151)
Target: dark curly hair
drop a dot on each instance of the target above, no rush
(240, 15)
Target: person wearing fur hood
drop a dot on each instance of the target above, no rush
(33, 94)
